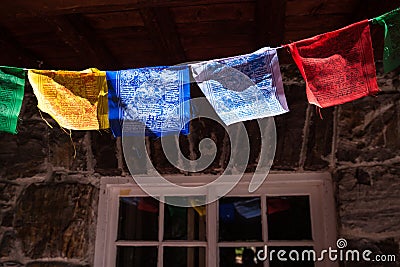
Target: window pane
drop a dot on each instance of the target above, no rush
(239, 256)
(295, 256)
(138, 218)
(184, 223)
(136, 256)
(240, 219)
(289, 218)
(184, 257)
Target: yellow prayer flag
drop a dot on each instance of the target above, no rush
(76, 100)
(201, 210)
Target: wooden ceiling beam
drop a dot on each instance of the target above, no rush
(162, 31)
(14, 49)
(106, 57)
(22, 8)
(270, 18)
(76, 32)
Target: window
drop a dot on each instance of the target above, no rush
(288, 212)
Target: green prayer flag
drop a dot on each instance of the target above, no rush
(12, 83)
(391, 52)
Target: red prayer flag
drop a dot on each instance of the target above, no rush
(148, 204)
(338, 66)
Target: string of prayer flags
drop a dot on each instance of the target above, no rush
(153, 100)
(12, 83)
(338, 66)
(76, 100)
(243, 87)
(391, 52)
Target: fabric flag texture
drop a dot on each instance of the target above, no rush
(76, 100)
(248, 208)
(391, 52)
(338, 66)
(243, 87)
(200, 209)
(277, 204)
(12, 83)
(154, 97)
(148, 205)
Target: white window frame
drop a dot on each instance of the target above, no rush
(317, 185)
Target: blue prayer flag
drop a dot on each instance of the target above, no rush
(244, 87)
(156, 98)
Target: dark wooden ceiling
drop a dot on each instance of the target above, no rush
(76, 34)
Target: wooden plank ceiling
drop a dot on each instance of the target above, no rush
(73, 34)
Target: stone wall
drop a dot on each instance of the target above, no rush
(367, 171)
(49, 195)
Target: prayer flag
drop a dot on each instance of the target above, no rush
(243, 87)
(248, 208)
(76, 100)
(337, 66)
(154, 97)
(391, 52)
(12, 83)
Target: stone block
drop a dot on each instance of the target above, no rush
(8, 192)
(24, 154)
(10, 264)
(7, 218)
(368, 201)
(69, 152)
(57, 220)
(7, 244)
(104, 152)
(54, 264)
(319, 143)
(368, 129)
(290, 128)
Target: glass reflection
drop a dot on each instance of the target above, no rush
(240, 219)
(289, 218)
(136, 256)
(184, 257)
(239, 256)
(185, 223)
(138, 218)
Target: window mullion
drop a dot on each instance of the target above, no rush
(161, 232)
(112, 234)
(264, 221)
(212, 234)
